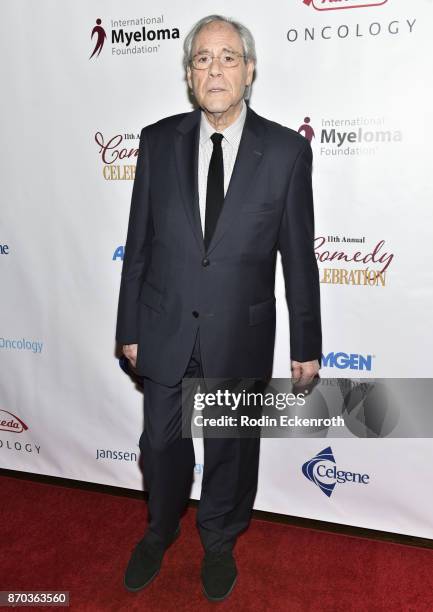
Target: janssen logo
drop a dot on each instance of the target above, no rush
(322, 471)
(333, 5)
(347, 361)
(115, 455)
(10, 422)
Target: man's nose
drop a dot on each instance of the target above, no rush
(215, 67)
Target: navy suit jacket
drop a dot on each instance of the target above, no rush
(171, 285)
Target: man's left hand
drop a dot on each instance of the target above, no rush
(303, 372)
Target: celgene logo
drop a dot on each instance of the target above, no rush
(333, 5)
(323, 472)
(10, 422)
(344, 361)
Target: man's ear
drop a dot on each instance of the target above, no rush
(188, 77)
(250, 72)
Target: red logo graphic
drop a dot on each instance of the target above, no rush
(11, 422)
(333, 5)
(99, 30)
(306, 129)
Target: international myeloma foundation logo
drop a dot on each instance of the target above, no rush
(101, 36)
(333, 5)
(306, 129)
(10, 422)
(131, 36)
(349, 136)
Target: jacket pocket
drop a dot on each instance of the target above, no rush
(261, 311)
(260, 207)
(150, 296)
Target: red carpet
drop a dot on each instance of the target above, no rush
(54, 538)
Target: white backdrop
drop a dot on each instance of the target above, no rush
(70, 127)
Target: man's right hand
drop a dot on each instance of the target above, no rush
(130, 352)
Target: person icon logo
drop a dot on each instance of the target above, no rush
(306, 129)
(99, 30)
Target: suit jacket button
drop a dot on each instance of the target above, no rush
(205, 262)
(195, 314)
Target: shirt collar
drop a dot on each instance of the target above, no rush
(232, 133)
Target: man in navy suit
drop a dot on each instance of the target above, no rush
(217, 192)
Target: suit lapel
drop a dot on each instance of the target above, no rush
(186, 153)
(249, 156)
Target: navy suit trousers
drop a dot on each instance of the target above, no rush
(229, 477)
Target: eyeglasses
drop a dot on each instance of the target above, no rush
(227, 59)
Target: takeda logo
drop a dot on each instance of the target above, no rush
(10, 422)
(333, 5)
(370, 24)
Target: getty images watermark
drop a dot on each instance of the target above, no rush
(242, 402)
(328, 407)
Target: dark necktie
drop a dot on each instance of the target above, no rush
(215, 188)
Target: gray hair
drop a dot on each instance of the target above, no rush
(245, 35)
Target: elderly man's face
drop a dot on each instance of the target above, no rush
(218, 89)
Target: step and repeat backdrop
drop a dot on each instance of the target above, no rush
(80, 79)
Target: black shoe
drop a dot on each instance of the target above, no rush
(145, 563)
(218, 575)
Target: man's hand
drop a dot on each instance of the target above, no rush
(304, 372)
(130, 352)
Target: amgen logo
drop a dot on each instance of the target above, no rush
(344, 361)
(323, 472)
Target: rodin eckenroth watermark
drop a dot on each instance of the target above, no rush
(283, 420)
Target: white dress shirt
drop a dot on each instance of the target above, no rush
(229, 144)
